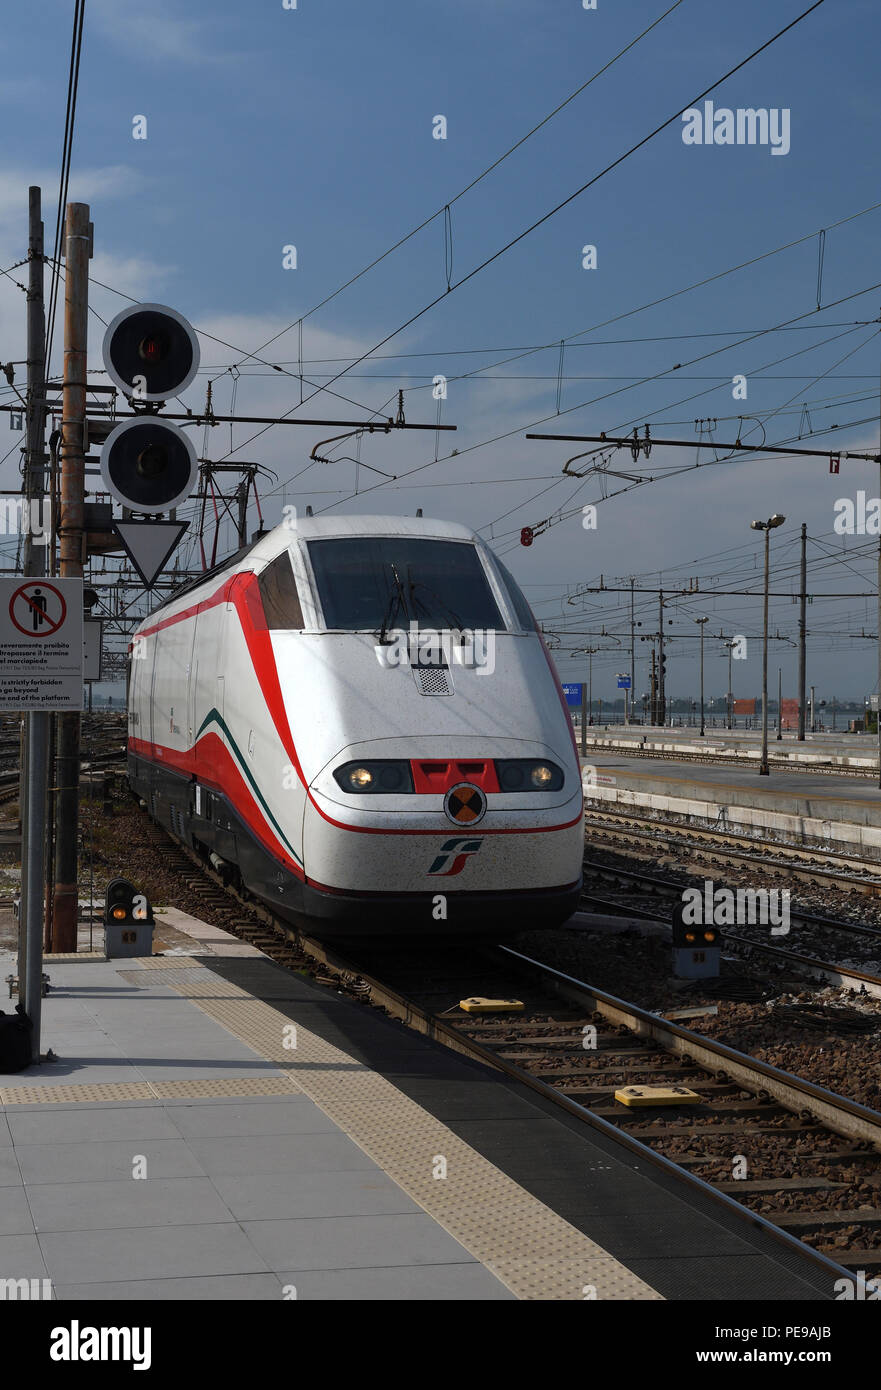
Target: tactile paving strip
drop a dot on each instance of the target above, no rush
(164, 962)
(71, 957)
(232, 1086)
(531, 1249)
(54, 1095)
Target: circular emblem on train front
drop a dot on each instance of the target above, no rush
(465, 804)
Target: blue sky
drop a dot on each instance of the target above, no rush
(313, 127)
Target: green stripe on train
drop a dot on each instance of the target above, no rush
(215, 717)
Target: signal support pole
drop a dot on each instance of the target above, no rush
(78, 244)
(661, 684)
(632, 651)
(763, 765)
(34, 778)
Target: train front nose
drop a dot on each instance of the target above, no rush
(454, 832)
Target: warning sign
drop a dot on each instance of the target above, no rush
(41, 644)
(37, 608)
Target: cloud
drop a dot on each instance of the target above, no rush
(86, 186)
(248, 331)
(133, 276)
(155, 32)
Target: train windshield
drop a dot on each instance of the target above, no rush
(375, 583)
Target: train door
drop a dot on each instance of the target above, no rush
(195, 807)
(140, 676)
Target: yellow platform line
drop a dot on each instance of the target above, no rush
(529, 1247)
(90, 1093)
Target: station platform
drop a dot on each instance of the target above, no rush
(813, 808)
(216, 1126)
(827, 749)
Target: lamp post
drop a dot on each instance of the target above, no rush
(700, 622)
(779, 703)
(588, 652)
(729, 702)
(767, 526)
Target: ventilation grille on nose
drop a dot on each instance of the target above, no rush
(432, 680)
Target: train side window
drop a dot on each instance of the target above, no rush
(521, 607)
(278, 592)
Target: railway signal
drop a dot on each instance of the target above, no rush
(150, 352)
(696, 943)
(148, 463)
(128, 920)
(125, 905)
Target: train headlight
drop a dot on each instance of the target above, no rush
(377, 776)
(524, 774)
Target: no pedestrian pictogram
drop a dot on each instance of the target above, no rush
(37, 609)
(42, 656)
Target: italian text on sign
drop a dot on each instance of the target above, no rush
(41, 644)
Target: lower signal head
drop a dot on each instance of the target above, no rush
(148, 464)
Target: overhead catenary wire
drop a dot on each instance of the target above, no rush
(786, 327)
(617, 429)
(539, 222)
(445, 210)
(519, 429)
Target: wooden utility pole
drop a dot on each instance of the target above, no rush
(802, 633)
(78, 250)
(878, 713)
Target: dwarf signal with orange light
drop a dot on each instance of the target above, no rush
(128, 920)
(125, 906)
(696, 944)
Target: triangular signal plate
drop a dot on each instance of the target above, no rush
(149, 544)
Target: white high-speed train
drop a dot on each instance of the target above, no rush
(357, 719)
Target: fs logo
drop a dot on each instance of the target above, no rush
(457, 851)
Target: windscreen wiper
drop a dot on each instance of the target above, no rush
(413, 584)
(397, 603)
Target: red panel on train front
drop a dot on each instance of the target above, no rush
(439, 774)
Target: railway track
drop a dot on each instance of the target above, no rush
(638, 750)
(669, 890)
(101, 758)
(811, 1156)
(649, 837)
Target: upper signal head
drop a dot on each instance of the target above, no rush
(151, 352)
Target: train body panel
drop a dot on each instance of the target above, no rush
(244, 708)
